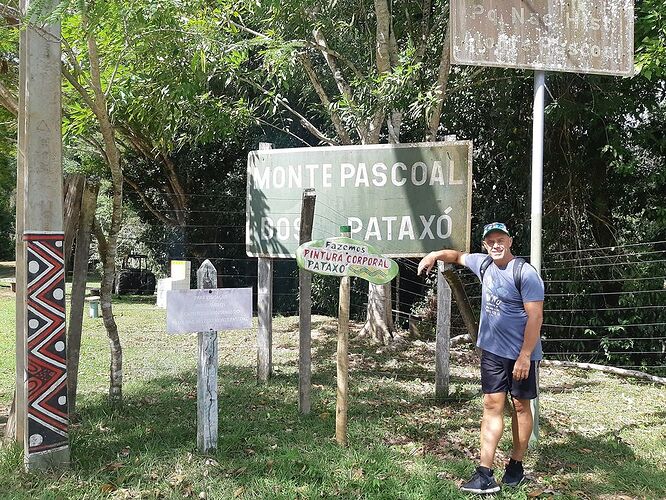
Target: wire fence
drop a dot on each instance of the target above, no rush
(604, 305)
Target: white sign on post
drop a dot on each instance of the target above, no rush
(213, 309)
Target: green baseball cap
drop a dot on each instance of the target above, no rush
(495, 226)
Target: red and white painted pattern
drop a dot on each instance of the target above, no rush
(47, 359)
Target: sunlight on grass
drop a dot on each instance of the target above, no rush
(601, 435)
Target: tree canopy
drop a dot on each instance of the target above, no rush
(165, 97)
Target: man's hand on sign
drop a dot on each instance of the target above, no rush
(427, 262)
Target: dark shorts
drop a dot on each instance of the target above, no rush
(497, 376)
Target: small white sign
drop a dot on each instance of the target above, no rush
(213, 309)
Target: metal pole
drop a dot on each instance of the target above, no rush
(537, 205)
(537, 169)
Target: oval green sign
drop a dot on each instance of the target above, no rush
(346, 257)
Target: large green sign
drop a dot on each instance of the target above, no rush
(406, 199)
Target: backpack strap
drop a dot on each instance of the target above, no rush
(517, 272)
(484, 265)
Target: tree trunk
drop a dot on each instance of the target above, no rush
(71, 214)
(379, 318)
(79, 279)
(113, 159)
(442, 84)
(10, 428)
(116, 364)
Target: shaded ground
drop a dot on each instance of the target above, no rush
(7, 269)
(7, 273)
(602, 436)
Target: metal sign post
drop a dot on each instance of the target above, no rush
(537, 204)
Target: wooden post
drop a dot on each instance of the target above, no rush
(42, 367)
(305, 307)
(73, 189)
(264, 311)
(207, 364)
(79, 279)
(16, 423)
(343, 356)
(396, 318)
(443, 340)
(458, 290)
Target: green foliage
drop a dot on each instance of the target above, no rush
(131, 233)
(156, 62)
(650, 35)
(326, 292)
(214, 181)
(7, 185)
(278, 37)
(7, 208)
(610, 305)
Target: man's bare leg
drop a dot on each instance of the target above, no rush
(492, 426)
(521, 427)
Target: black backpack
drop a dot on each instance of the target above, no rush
(517, 270)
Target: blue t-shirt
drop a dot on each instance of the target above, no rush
(503, 316)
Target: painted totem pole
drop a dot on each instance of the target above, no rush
(41, 371)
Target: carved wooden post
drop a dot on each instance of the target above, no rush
(41, 355)
(443, 340)
(305, 307)
(343, 356)
(264, 311)
(207, 364)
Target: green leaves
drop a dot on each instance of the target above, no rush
(650, 35)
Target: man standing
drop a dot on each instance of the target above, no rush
(511, 317)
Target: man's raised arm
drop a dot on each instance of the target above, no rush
(450, 256)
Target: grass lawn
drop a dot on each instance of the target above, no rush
(601, 436)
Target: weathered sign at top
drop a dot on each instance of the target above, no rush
(406, 199)
(580, 36)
